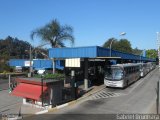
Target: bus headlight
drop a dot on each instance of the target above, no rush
(120, 83)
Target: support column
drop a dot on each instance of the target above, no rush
(53, 65)
(42, 90)
(9, 83)
(85, 73)
(51, 97)
(73, 84)
(158, 45)
(24, 101)
(30, 59)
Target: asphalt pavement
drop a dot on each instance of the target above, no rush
(9, 104)
(3, 84)
(138, 98)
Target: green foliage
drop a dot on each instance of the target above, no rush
(112, 42)
(51, 76)
(56, 75)
(54, 33)
(122, 45)
(4, 68)
(136, 51)
(152, 53)
(13, 48)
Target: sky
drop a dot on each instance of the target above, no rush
(93, 21)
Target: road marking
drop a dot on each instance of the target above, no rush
(104, 94)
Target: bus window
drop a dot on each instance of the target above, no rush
(117, 74)
(113, 73)
(108, 73)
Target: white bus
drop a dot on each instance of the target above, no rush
(121, 75)
(143, 69)
(151, 65)
(146, 68)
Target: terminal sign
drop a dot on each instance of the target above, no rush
(75, 62)
(27, 63)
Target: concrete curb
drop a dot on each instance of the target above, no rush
(62, 106)
(75, 101)
(99, 88)
(41, 112)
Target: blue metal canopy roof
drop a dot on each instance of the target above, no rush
(37, 63)
(17, 62)
(92, 52)
(76, 52)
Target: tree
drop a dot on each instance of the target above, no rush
(54, 33)
(12, 48)
(136, 51)
(151, 53)
(122, 45)
(108, 42)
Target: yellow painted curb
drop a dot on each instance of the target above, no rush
(52, 109)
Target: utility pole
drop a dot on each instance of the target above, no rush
(110, 46)
(157, 100)
(9, 82)
(30, 58)
(42, 90)
(158, 44)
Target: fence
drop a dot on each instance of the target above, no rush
(7, 81)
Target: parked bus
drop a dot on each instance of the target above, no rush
(121, 75)
(152, 65)
(143, 69)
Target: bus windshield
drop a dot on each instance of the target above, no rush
(113, 73)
